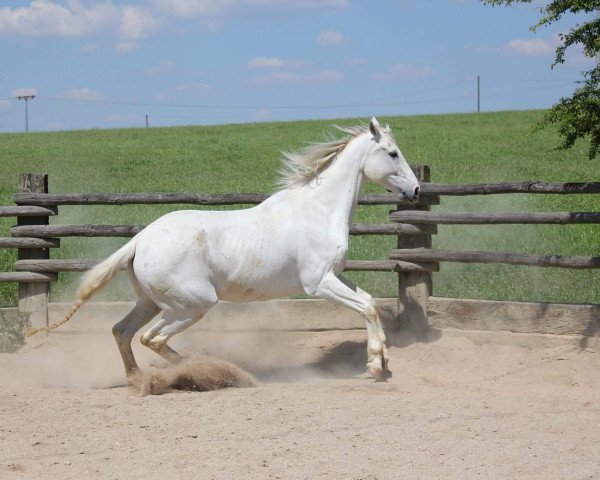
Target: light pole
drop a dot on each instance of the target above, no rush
(26, 98)
(478, 94)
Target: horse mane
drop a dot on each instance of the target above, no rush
(300, 167)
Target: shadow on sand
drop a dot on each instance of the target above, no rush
(346, 359)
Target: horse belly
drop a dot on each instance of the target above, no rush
(256, 279)
(250, 292)
(251, 289)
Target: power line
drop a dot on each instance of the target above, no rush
(415, 97)
(393, 100)
(249, 107)
(535, 80)
(525, 90)
(368, 103)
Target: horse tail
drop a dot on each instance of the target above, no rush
(101, 274)
(94, 280)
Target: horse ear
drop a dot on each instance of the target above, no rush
(374, 128)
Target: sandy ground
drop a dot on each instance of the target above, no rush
(454, 409)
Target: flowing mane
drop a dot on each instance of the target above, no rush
(300, 167)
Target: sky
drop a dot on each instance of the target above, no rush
(112, 64)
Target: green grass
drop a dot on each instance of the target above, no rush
(465, 148)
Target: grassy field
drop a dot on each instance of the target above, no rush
(467, 148)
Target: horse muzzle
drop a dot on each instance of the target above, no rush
(412, 196)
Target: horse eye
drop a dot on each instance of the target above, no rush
(394, 154)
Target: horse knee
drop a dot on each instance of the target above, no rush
(370, 311)
(154, 342)
(119, 331)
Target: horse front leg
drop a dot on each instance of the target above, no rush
(341, 291)
(378, 357)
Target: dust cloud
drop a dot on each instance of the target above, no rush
(226, 349)
(51, 362)
(490, 282)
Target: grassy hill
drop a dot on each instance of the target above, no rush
(490, 147)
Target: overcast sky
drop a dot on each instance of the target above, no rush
(109, 63)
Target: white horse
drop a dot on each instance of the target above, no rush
(294, 242)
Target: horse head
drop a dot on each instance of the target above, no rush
(384, 164)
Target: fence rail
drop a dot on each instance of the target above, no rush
(429, 193)
(491, 218)
(421, 255)
(81, 265)
(27, 211)
(28, 277)
(25, 242)
(214, 199)
(49, 231)
(519, 187)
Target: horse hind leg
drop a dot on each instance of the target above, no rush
(123, 331)
(172, 323)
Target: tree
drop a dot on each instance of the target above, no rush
(577, 116)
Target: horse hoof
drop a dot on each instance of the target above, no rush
(375, 372)
(379, 373)
(378, 369)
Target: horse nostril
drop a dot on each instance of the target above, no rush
(416, 192)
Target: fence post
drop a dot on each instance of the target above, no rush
(415, 287)
(33, 297)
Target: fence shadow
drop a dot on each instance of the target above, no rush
(592, 329)
(584, 328)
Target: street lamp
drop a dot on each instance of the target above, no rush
(26, 98)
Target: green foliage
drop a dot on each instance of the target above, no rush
(577, 116)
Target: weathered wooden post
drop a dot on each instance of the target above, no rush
(33, 297)
(415, 287)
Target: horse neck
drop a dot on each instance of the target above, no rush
(335, 192)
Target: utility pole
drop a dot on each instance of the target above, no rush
(478, 95)
(26, 98)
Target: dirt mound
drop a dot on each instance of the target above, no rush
(200, 374)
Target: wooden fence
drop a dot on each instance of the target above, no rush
(469, 313)
(413, 224)
(34, 237)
